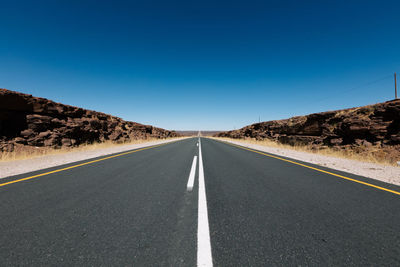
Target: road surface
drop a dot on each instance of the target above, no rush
(191, 203)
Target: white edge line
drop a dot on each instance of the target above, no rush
(204, 256)
(192, 174)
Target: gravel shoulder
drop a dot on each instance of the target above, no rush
(388, 174)
(16, 167)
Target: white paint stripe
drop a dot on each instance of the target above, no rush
(204, 257)
(191, 175)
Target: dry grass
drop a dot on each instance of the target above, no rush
(386, 156)
(27, 152)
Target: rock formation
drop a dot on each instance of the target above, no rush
(32, 121)
(374, 125)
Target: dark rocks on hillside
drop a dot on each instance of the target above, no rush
(33, 121)
(373, 125)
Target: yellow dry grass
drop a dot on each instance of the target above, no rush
(388, 156)
(25, 152)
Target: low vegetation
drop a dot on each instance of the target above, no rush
(29, 152)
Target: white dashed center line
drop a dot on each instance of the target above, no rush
(192, 174)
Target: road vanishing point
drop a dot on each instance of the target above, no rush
(197, 202)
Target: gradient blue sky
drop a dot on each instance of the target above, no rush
(210, 65)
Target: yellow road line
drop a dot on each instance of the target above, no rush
(313, 168)
(82, 164)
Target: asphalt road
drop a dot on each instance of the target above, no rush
(245, 209)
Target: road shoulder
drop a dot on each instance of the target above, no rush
(387, 174)
(17, 167)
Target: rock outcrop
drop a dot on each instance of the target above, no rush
(32, 121)
(374, 125)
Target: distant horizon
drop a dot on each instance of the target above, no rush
(204, 65)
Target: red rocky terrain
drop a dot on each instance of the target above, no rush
(32, 121)
(376, 126)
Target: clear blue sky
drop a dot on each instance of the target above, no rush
(210, 65)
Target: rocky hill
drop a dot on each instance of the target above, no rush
(32, 121)
(374, 125)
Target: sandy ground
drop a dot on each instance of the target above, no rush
(11, 168)
(379, 172)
